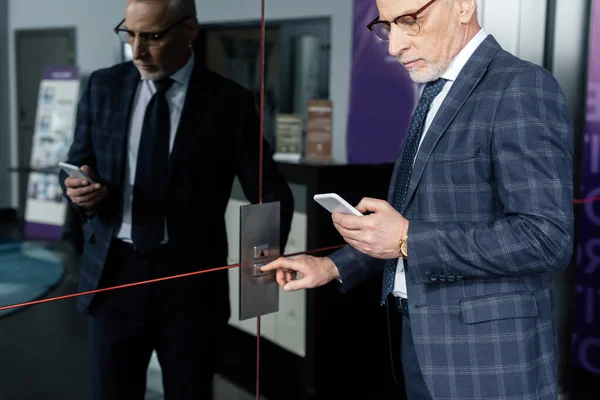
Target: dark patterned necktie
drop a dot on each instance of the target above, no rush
(430, 92)
(149, 191)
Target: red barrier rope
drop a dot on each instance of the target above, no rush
(588, 200)
(49, 300)
(167, 278)
(32, 303)
(258, 358)
(262, 98)
(315, 251)
(260, 168)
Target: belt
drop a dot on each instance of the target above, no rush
(398, 304)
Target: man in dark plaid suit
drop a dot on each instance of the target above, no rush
(478, 218)
(164, 139)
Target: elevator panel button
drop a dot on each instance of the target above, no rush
(261, 252)
(257, 271)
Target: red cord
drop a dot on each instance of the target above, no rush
(588, 200)
(31, 303)
(315, 251)
(49, 300)
(258, 358)
(260, 168)
(262, 100)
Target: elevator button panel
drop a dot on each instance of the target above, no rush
(259, 245)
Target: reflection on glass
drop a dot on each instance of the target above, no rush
(296, 65)
(235, 53)
(296, 70)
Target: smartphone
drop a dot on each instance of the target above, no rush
(334, 203)
(75, 172)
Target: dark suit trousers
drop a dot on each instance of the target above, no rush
(126, 325)
(407, 370)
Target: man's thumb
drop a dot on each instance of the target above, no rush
(296, 285)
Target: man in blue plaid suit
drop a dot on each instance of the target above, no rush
(478, 218)
(164, 138)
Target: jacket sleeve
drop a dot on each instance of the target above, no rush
(532, 161)
(81, 151)
(354, 267)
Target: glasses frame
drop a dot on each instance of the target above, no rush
(388, 24)
(153, 35)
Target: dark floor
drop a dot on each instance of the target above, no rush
(43, 349)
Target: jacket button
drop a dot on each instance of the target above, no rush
(459, 278)
(450, 278)
(433, 278)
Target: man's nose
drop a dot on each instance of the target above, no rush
(138, 48)
(398, 42)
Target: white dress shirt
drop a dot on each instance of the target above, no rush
(450, 75)
(176, 99)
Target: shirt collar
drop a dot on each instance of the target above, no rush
(182, 76)
(463, 57)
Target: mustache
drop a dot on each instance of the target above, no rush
(407, 59)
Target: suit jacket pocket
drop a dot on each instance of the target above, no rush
(457, 157)
(494, 307)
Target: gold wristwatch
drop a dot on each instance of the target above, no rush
(403, 246)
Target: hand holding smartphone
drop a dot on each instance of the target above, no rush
(75, 172)
(81, 188)
(332, 202)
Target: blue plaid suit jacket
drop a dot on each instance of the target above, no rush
(217, 140)
(490, 205)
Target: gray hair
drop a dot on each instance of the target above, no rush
(179, 8)
(183, 8)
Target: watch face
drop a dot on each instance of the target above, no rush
(404, 248)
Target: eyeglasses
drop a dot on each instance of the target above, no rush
(149, 39)
(407, 22)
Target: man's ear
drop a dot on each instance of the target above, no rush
(468, 10)
(192, 28)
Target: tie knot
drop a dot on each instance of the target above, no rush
(433, 88)
(163, 85)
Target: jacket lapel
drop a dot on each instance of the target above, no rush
(122, 117)
(461, 89)
(195, 107)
